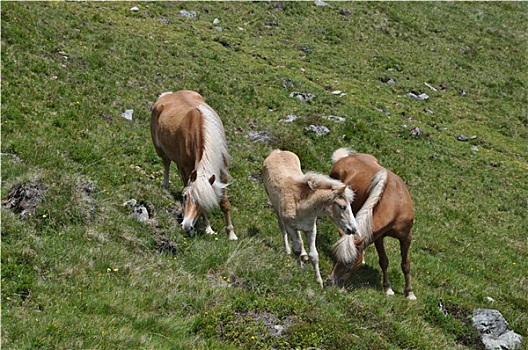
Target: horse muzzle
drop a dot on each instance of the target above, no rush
(187, 225)
(350, 231)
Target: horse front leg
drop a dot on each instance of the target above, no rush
(405, 244)
(311, 236)
(208, 229)
(384, 264)
(225, 206)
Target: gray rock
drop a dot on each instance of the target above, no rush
(188, 14)
(494, 331)
(318, 130)
(320, 3)
(334, 118)
(302, 96)
(289, 118)
(260, 136)
(128, 114)
(420, 97)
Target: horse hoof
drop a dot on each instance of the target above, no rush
(389, 292)
(411, 296)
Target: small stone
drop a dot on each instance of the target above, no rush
(134, 9)
(420, 97)
(289, 118)
(318, 130)
(188, 14)
(128, 114)
(334, 118)
(302, 96)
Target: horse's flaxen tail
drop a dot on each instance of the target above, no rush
(345, 249)
(341, 153)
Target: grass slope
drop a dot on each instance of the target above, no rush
(79, 273)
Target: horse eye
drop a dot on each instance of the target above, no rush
(342, 207)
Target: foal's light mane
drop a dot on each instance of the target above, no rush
(213, 162)
(325, 181)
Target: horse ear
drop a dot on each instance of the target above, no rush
(193, 176)
(339, 190)
(212, 179)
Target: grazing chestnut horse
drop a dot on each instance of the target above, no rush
(383, 207)
(186, 131)
(298, 199)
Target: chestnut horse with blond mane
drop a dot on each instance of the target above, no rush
(298, 199)
(382, 206)
(187, 131)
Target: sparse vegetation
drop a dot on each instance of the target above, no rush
(79, 273)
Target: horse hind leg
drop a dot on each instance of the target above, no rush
(406, 266)
(285, 236)
(384, 264)
(166, 170)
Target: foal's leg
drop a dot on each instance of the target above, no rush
(285, 235)
(405, 244)
(297, 244)
(384, 264)
(311, 236)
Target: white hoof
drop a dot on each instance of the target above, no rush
(411, 296)
(389, 292)
(210, 231)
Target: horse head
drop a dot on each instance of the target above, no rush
(340, 210)
(341, 272)
(191, 207)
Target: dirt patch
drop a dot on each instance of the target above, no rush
(85, 191)
(275, 327)
(24, 199)
(164, 244)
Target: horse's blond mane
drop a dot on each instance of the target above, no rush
(345, 249)
(214, 161)
(164, 93)
(364, 215)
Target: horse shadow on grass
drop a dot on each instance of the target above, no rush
(365, 277)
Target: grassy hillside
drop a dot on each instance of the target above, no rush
(79, 273)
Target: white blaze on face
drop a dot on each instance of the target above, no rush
(343, 216)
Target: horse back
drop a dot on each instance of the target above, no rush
(177, 129)
(279, 172)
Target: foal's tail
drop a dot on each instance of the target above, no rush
(345, 249)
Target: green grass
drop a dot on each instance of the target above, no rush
(79, 273)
